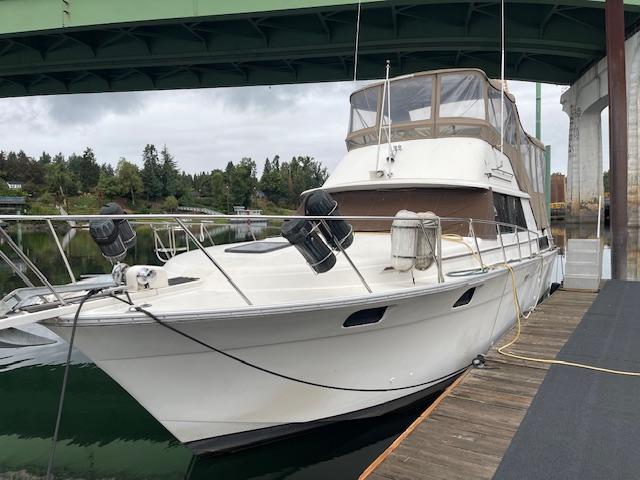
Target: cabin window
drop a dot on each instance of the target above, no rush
(543, 243)
(508, 209)
(364, 109)
(461, 95)
(410, 100)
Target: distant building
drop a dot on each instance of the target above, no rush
(13, 185)
(558, 188)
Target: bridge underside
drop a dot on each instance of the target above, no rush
(547, 42)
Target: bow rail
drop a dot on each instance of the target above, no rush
(532, 239)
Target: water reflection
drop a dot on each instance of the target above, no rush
(85, 258)
(562, 232)
(106, 434)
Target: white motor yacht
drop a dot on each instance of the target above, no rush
(396, 274)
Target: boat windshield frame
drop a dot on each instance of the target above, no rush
(462, 117)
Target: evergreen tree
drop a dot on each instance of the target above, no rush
(168, 173)
(45, 159)
(151, 173)
(86, 169)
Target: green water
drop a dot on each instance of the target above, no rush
(106, 434)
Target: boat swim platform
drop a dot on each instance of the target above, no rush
(518, 419)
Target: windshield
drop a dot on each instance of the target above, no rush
(410, 100)
(364, 109)
(461, 95)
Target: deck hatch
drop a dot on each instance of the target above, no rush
(364, 317)
(258, 247)
(465, 298)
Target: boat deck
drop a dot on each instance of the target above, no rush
(528, 420)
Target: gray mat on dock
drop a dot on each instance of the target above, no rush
(584, 424)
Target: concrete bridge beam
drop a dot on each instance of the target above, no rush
(583, 103)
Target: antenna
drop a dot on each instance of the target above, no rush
(355, 53)
(389, 153)
(385, 96)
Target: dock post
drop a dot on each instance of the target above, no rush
(547, 180)
(617, 84)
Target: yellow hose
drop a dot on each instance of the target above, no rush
(551, 361)
(452, 237)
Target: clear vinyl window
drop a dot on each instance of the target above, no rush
(410, 100)
(462, 95)
(364, 109)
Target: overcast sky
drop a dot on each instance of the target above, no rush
(204, 129)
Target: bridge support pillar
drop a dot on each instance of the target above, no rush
(583, 103)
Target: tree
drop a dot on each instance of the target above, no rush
(108, 185)
(171, 203)
(242, 182)
(272, 183)
(45, 159)
(129, 179)
(168, 173)
(86, 169)
(59, 180)
(605, 181)
(151, 173)
(216, 189)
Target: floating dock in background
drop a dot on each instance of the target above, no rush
(526, 420)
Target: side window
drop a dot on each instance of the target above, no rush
(516, 213)
(364, 109)
(508, 209)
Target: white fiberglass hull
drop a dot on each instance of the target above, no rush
(215, 403)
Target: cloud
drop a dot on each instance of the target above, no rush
(79, 109)
(205, 129)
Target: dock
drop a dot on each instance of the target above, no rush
(521, 419)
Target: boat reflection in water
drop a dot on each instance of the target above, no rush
(106, 434)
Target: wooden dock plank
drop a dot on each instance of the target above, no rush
(466, 432)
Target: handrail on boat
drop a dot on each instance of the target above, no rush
(186, 220)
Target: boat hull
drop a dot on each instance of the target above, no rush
(319, 371)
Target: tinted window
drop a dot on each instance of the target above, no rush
(508, 209)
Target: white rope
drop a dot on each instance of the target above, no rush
(355, 54)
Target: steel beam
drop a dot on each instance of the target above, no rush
(615, 35)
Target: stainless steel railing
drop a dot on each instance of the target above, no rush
(184, 221)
